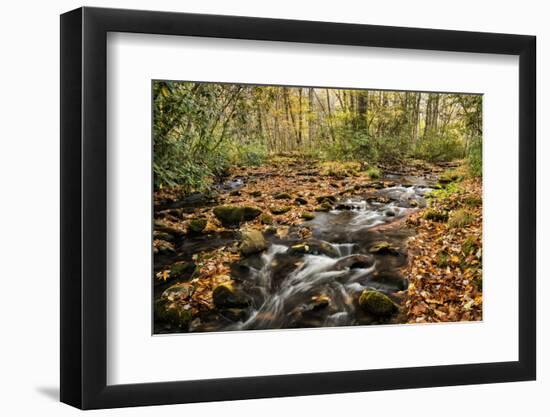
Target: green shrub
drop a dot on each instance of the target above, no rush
(374, 173)
(439, 147)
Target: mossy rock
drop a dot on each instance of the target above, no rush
(173, 313)
(436, 215)
(266, 219)
(282, 196)
(197, 225)
(231, 216)
(307, 216)
(279, 209)
(383, 248)
(157, 234)
(182, 271)
(324, 207)
(173, 305)
(227, 295)
(256, 193)
(300, 201)
(326, 198)
(376, 303)
(313, 247)
(252, 241)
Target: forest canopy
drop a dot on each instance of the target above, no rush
(201, 130)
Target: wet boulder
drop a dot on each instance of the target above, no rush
(313, 247)
(300, 201)
(390, 213)
(231, 216)
(228, 295)
(354, 262)
(377, 303)
(383, 248)
(252, 241)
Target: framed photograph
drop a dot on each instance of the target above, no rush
(257, 208)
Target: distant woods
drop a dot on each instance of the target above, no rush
(200, 130)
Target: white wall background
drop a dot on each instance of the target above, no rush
(29, 219)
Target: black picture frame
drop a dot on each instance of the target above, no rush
(84, 207)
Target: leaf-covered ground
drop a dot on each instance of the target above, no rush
(445, 257)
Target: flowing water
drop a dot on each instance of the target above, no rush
(317, 282)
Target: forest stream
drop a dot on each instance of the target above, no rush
(358, 243)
